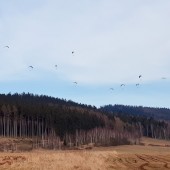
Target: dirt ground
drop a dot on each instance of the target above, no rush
(144, 157)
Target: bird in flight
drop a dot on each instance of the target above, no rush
(140, 76)
(6, 46)
(137, 84)
(31, 67)
(72, 52)
(75, 82)
(111, 88)
(56, 66)
(122, 85)
(163, 78)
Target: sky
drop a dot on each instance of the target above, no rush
(113, 42)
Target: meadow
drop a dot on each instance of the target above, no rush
(152, 154)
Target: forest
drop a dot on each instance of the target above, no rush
(57, 123)
(156, 113)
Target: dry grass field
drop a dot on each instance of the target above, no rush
(152, 154)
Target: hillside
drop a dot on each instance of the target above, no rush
(57, 123)
(152, 122)
(122, 110)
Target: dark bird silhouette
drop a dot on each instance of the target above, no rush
(122, 85)
(137, 84)
(31, 67)
(111, 88)
(140, 76)
(163, 78)
(6, 46)
(56, 66)
(75, 82)
(72, 52)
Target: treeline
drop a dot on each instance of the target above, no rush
(152, 122)
(52, 121)
(121, 110)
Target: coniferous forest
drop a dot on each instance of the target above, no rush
(57, 123)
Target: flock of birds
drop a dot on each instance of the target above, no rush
(122, 85)
(31, 67)
(75, 82)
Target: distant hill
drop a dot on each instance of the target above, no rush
(123, 110)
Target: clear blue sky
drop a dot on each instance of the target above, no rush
(114, 42)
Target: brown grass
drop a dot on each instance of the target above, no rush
(102, 158)
(152, 142)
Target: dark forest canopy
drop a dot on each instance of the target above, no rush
(44, 99)
(64, 116)
(123, 110)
